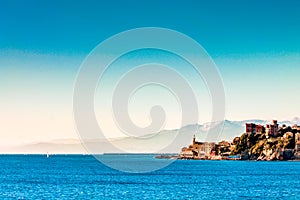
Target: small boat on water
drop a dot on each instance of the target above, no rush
(48, 155)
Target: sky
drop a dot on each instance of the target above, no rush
(254, 44)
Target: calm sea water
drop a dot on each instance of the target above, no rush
(83, 177)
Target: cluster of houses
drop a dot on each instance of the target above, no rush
(269, 130)
(210, 150)
(197, 150)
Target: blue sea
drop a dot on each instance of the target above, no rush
(84, 177)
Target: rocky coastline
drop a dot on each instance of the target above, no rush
(260, 143)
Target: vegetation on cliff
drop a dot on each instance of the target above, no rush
(261, 147)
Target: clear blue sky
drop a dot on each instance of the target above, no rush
(255, 44)
(222, 27)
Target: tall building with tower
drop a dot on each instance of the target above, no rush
(272, 129)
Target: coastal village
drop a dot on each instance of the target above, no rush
(259, 142)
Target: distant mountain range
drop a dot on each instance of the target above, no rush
(169, 141)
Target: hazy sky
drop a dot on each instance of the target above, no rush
(255, 45)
